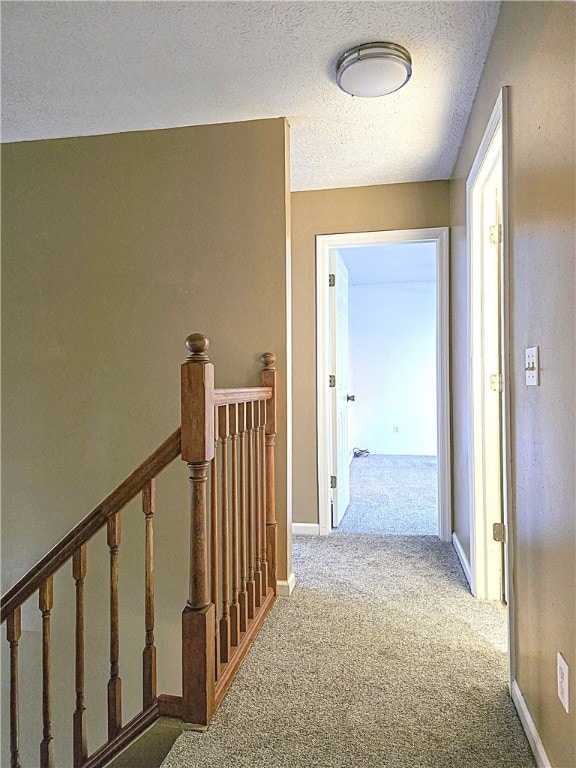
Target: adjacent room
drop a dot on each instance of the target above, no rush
(392, 375)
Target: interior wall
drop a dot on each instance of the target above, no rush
(533, 53)
(393, 367)
(335, 211)
(115, 248)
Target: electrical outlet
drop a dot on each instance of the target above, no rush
(395, 430)
(563, 682)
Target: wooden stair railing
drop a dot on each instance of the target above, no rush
(227, 439)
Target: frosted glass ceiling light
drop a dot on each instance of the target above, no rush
(373, 69)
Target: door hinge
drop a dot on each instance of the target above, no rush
(499, 532)
(332, 481)
(496, 234)
(331, 280)
(496, 382)
(331, 380)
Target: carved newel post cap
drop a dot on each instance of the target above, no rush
(268, 360)
(197, 344)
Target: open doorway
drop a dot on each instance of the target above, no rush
(392, 417)
(336, 439)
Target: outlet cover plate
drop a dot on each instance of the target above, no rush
(532, 367)
(563, 683)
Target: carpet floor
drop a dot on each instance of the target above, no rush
(380, 657)
(393, 494)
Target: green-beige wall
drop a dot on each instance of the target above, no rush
(325, 212)
(115, 248)
(532, 52)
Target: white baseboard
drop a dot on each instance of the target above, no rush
(396, 452)
(285, 588)
(305, 529)
(529, 727)
(463, 559)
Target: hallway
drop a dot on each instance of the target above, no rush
(380, 658)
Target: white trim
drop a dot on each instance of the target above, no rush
(305, 529)
(390, 452)
(484, 559)
(499, 120)
(506, 402)
(323, 395)
(529, 727)
(463, 559)
(439, 236)
(491, 130)
(285, 588)
(443, 385)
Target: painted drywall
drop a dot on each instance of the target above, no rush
(115, 248)
(393, 367)
(533, 53)
(324, 212)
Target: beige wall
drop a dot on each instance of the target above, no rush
(115, 248)
(533, 53)
(332, 211)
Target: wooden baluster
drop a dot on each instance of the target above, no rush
(257, 501)
(13, 634)
(45, 603)
(149, 652)
(214, 558)
(224, 429)
(198, 617)
(80, 744)
(268, 379)
(253, 594)
(234, 607)
(114, 683)
(261, 405)
(257, 505)
(243, 594)
(199, 579)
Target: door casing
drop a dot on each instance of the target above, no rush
(324, 244)
(341, 449)
(481, 555)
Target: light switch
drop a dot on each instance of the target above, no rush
(532, 367)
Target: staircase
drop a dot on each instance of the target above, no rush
(227, 439)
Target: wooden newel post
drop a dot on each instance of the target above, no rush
(198, 617)
(268, 379)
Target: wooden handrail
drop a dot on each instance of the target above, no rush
(90, 525)
(246, 395)
(113, 503)
(227, 439)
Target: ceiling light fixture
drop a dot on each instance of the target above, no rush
(373, 69)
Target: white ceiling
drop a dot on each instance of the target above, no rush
(390, 263)
(82, 68)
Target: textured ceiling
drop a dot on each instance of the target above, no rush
(81, 68)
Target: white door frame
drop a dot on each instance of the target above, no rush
(324, 243)
(483, 558)
(342, 453)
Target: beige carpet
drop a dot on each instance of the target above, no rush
(380, 658)
(393, 494)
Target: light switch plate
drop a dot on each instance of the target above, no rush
(563, 682)
(532, 367)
